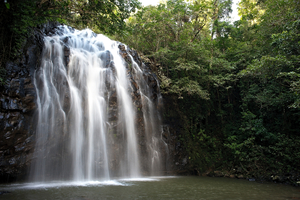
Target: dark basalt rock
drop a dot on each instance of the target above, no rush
(18, 102)
(17, 108)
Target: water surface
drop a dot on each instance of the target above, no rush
(202, 188)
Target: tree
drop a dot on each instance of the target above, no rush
(18, 17)
(268, 89)
(235, 87)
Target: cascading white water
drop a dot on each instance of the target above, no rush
(87, 126)
(151, 119)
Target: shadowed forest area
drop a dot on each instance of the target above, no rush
(233, 86)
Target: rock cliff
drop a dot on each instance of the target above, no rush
(18, 106)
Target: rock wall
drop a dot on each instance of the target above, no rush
(173, 128)
(18, 107)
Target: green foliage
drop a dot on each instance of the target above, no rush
(269, 96)
(278, 157)
(203, 151)
(236, 86)
(19, 17)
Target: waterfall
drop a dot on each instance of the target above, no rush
(97, 111)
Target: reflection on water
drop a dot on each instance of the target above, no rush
(203, 188)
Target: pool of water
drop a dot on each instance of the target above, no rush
(202, 188)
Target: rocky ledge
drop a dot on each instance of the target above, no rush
(17, 108)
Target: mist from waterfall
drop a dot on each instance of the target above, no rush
(87, 126)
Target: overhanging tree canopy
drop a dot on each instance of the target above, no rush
(18, 16)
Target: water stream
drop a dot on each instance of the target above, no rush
(95, 109)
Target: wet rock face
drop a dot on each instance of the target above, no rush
(17, 109)
(18, 104)
(17, 99)
(136, 89)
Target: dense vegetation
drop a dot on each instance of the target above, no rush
(19, 17)
(235, 86)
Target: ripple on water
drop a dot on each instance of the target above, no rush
(64, 184)
(204, 188)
